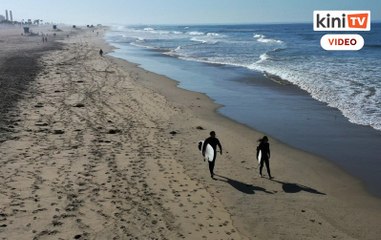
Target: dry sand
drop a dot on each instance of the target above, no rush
(88, 154)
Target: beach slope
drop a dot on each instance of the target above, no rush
(102, 149)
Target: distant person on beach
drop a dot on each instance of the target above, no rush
(264, 147)
(214, 142)
(101, 52)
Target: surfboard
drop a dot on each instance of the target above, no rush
(209, 151)
(259, 157)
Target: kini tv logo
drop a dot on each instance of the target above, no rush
(342, 21)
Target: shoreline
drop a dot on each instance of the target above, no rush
(309, 125)
(96, 159)
(341, 188)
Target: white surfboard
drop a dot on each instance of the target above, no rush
(259, 157)
(209, 151)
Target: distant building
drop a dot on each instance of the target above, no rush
(8, 18)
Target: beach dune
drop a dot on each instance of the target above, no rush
(98, 148)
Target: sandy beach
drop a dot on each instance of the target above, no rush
(94, 147)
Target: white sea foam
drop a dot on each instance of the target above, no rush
(171, 53)
(262, 38)
(263, 57)
(194, 39)
(351, 92)
(136, 44)
(258, 36)
(356, 103)
(204, 40)
(195, 33)
(148, 29)
(210, 60)
(213, 34)
(266, 40)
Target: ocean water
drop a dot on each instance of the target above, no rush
(348, 81)
(278, 80)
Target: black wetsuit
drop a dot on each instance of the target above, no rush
(214, 142)
(265, 149)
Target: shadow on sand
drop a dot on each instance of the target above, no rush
(295, 188)
(250, 189)
(240, 186)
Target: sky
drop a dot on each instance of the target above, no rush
(84, 12)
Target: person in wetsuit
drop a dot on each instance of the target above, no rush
(264, 146)
(214, 142)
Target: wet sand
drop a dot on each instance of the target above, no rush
(98, 148)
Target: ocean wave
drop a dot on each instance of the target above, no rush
(194, 39)
(360, 108)
(172, 53)
(319, 74)
(211, 34)
(195, 33)
(263, 57)
(269, 40)
(175, 52)
(262, 38)
(269, 55)
(278, 50)
(119, 36)
(358, 103)
(276, 78)
(204, 40)
(152, 31)
(258, 36)
(137, 44)
(148, 29)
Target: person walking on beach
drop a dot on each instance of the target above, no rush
(101, 52)
(214, 142)
(264, 147)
